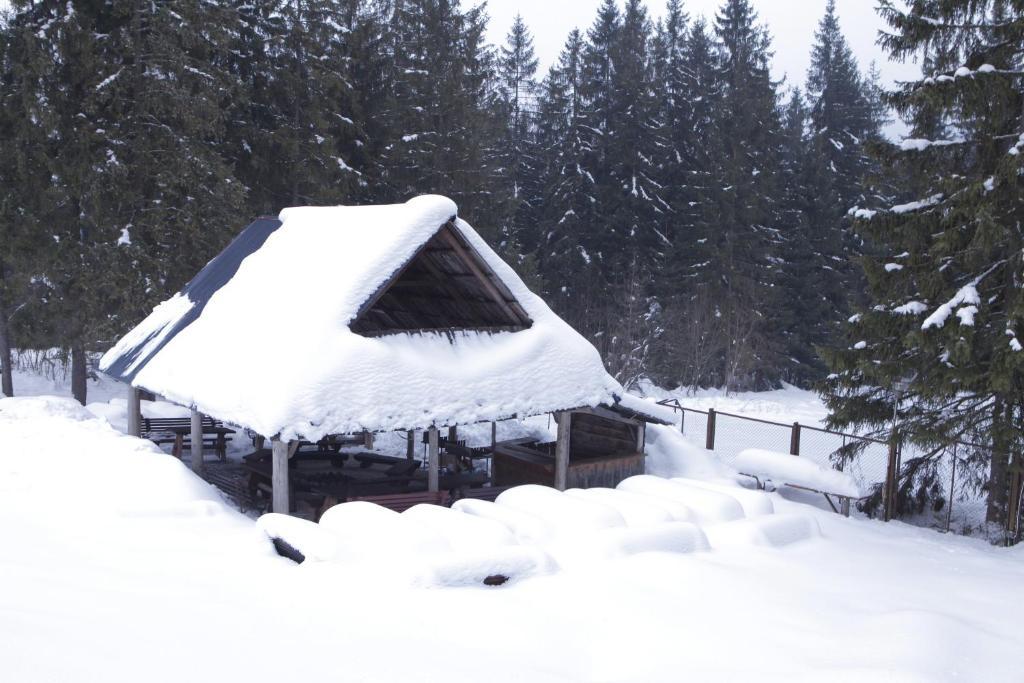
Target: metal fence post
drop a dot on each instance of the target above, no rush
(710, 442)
(794, 440)
(952, 488)
(891, 472)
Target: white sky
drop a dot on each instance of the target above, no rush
(791, 23)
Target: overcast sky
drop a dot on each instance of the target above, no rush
(791, 23)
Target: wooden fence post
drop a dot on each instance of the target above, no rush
(891, 473)
(710, 442)
(794, 440)
(410, 444)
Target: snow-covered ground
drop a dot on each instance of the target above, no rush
(119, 565)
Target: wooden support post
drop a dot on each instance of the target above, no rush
(494, 436)
(410, 444)
(279, 476)
(368, 440)
(710, 441)
(794, 440)
(197, 441)
(433, 459)
(453, 434)
(562, 450)
(641, 436)
(134, 412)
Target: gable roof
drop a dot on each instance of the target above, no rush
(267, 334)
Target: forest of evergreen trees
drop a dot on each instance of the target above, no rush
(701, 223)
(680, 208)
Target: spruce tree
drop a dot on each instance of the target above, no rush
(946, 297)
(745, 245)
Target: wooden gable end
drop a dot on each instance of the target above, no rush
(445, 287)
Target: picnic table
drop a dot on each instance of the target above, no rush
(219, 442)
(176, 430)
(798, 472)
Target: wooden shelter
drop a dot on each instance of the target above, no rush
(338, 320)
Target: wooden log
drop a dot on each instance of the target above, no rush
(562, 446)
(410, 444)
(197, 441)
(134, 412)
(368, 440)
(279, 476)
(432, 459)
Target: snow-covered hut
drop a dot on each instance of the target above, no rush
(330, 320)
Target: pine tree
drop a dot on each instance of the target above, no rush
(300, 138)
(517, 153)
(946, 297)
(135, 195)
(441, 119)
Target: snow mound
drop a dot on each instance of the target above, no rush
(493, 567)
(772, 531)
(525, 526)
(708, 506)
(670, 537)
(670, 454)
(464, 532)
(754, 503)
(562, 513)
(367, 532)
(782, 468)
(309, 538)
(33, 407)
(638, 511)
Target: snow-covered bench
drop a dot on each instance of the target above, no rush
(783, 469)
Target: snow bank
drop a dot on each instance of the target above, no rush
(314, 542)
(669, 537)
(708, 506)
(42, 407)
(782, 468)
(463, 532)
(772, 531)
(525, 526)
(638, 511)
(367, 532)
(493, 567)
(670, 454)
(755, 503)
(562, 513)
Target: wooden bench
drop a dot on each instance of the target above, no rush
(400, 502)
(178, 431)
(782, 469)
(482, 493)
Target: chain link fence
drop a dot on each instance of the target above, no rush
(942, 489)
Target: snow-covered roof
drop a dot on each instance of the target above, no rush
(262, 336)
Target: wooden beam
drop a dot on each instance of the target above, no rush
(641, 437)
(279, 476)
(134, 412)
(562, 445)
(410, 444)
(197, 441)
(432, 460)
(470, 260)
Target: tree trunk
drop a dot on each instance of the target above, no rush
(999, 465)
(79, 373)
(6, 373)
